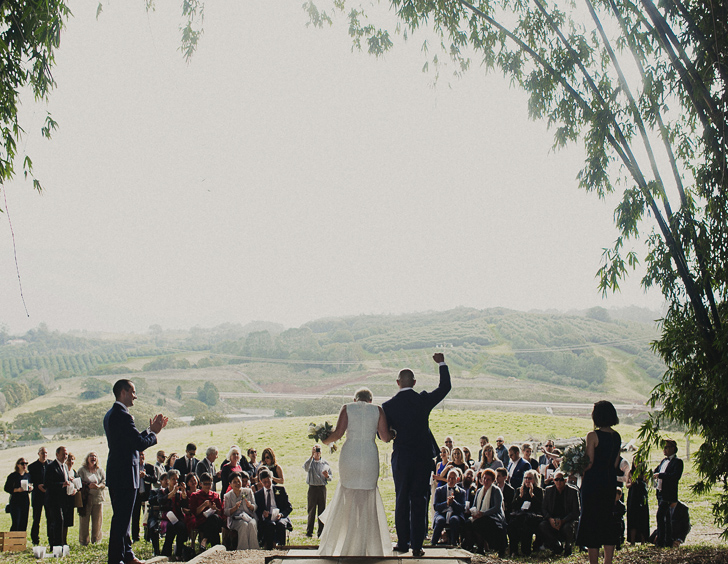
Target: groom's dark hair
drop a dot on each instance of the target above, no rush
(406, 377)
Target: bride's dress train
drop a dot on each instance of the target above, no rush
(355, 523)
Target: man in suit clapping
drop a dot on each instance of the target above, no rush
(122, 470)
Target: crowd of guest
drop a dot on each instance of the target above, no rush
(503, 499)
(507, 500)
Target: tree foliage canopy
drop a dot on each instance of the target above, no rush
(642, 85)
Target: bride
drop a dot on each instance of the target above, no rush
(355, 523)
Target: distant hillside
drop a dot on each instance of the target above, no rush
(492, 353)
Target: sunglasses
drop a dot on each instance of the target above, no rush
(23, 463)
(559, 480)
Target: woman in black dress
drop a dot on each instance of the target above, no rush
(19, 497)
(599, 484)
(638, 508)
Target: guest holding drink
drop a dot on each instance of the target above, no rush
(93, 481)
(18, 485)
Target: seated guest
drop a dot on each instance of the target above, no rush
(526, 515)
(192, 484)
(560, 515)
(516, 467)
(527, 451)
(449, 508)
(680, 521)
(470, 485)
(206, 507)
(269, 462)
(232, 466)
(509, 492)
(173, 518)
(240, 512)
(489, 459)
(272, 509)
(486, 529)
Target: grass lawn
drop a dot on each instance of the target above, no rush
(288, 438)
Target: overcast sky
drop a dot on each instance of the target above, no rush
(281, 177)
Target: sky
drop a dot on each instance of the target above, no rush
(280, 176)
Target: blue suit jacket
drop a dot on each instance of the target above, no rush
(517, 477)
(458, 502)
(125, 442)
(409, 412)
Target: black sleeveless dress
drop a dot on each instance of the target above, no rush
(598, 491)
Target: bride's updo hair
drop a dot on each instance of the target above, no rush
(363, 394)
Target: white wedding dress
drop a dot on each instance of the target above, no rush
(355, 523)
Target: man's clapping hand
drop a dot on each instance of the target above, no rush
(157, 423)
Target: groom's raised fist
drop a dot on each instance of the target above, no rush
(438, 357)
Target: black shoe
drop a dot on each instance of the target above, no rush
(567, 550)
(418, 553)
(397, 548)
(309, 535)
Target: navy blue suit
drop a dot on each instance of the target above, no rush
(122, 476)
(413, 458)
(516, 478)
(457, 518)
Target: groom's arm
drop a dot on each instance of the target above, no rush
(437, 395)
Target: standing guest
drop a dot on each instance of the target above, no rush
(254, 465)
(449, 508)
(598, 484)
(517, 467)
(487, 526)
(489, 459)
(318, 474)
(56, 482)
(527, 451)
(171, 459)
(272, 510)
(122, 469)
(147, 479)
(457, 460)
(544, 463)
(207, 466)
(526, 514)
(187, 464)
(93, 480)
(501, 451)
(175, 503)
(206, 507)
(618, 512)
(483, 441)
(439, 476)
(638, 508)
(239, 508)
(269, 461)
(667, 475)
(70, 500)
(233, 466)
(19, 485)
(509, 492)
(560, 515)
(37, 471)
(159, 467)
(468, 458)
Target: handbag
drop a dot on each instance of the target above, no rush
(77, 500)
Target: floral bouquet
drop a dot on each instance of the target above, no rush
(321, 432)
(575, 459)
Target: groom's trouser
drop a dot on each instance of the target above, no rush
(411, 486)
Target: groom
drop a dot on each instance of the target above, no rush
(413, 455)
